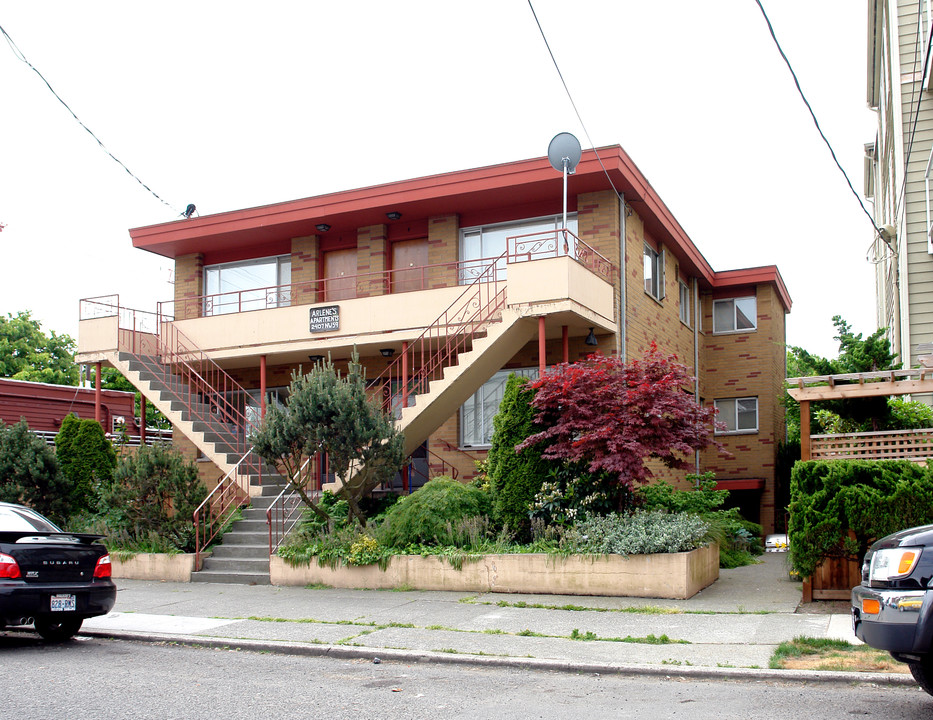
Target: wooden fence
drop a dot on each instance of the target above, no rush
(888, 445)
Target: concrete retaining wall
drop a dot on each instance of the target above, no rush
(155, 566)
(674, 575)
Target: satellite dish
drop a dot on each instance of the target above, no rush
(564, 152)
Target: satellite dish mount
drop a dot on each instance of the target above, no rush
(564, 152)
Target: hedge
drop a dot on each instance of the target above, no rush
(870, 499)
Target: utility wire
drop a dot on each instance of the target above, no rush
(815, 121)
(19, 54)
(572, 103)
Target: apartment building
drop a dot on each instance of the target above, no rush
(443, 285)
(899, 171)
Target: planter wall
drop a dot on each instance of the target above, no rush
(674, 575)
(155, 566)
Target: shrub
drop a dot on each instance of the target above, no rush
(154, 492)
(571, 493)
(640, 533)
(30, 474)
(85, 456)
(423, 517)
(515, 477)
(870, 499)
(661, 495)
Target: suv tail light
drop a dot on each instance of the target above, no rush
(103, 569)
(8, 567)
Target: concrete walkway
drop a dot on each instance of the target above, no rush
(731, 628)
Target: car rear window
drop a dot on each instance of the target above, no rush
(23, 520)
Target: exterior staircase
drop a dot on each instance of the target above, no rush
(243, 555)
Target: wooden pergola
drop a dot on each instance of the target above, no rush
(853, 385)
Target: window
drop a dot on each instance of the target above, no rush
(739, 414)
(685, 304)
(735, 315)
(654, 272)
(479, 246)
(476, 414)
(249, 285)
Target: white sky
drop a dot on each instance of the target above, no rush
(234, 104)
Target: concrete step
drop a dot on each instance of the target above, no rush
(245, 538)
(231, 578)
(237, 564)
(248, 552)
(251, 526)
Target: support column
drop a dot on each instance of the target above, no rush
(404, 373)
(565, 343)
(142, 420)
(262, 386)
(542, 346)
(804, 429)
(98, 414)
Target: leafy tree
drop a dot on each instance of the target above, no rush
(29, 473)
(85, 456)
(330, 413)
(154, 493)
(856, 355)
(613, 416)
(27, 353)
(515, 478)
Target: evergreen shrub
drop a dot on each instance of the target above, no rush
(86, 457)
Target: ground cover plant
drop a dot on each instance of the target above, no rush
(808, 653)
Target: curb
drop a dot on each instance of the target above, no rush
(346, 652)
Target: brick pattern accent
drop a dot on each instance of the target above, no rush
(371, 247)
(305, 269)
(189, 283)
(443, 247)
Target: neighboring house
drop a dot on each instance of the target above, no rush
(899, 170)
(44, 406)
(474, 262)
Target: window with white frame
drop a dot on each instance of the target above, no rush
(735, 315)
(481, 245)
(247, 285)
(476, 414)
(740, 415)
(685, 303)
(654, 272)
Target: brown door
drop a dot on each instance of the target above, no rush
(340, 274)
(408, 260)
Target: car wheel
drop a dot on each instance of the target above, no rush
(923, 673)
(58, 630)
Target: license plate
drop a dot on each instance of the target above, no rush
(63, 603)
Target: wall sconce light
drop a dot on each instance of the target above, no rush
(394, 215)
(315, 358)
(387, 352)
(322, 227)
(591, 338)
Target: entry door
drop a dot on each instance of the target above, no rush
(340, 274)
(408, 260)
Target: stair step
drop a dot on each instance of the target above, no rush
(232, 537)
(237, 564)
(231, 578)
(251, 552)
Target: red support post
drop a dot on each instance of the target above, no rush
(542, 346)
(404, 373)
(262, 386)
(98, 414)
(565, 343)
(142, 420)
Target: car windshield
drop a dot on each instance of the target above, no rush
(17, 519)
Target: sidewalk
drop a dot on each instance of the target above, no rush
(729, 629)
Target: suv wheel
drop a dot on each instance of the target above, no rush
(58, 630)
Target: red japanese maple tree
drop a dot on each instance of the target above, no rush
(614, 416)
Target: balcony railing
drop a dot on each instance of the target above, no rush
(521, 248)
(887, 445)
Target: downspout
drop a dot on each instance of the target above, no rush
(620, 335)
(696, 365)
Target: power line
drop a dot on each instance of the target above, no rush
(815, 121)
(19, 54)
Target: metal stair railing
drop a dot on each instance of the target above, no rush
(286, 510)
(216, 511)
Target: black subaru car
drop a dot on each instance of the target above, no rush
(49, 578)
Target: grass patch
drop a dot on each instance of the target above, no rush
(808, 653)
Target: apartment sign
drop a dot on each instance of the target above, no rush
(325, 319)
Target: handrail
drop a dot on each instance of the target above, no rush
(277, 518)
(231, 495)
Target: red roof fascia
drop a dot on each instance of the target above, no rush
(754, 276)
